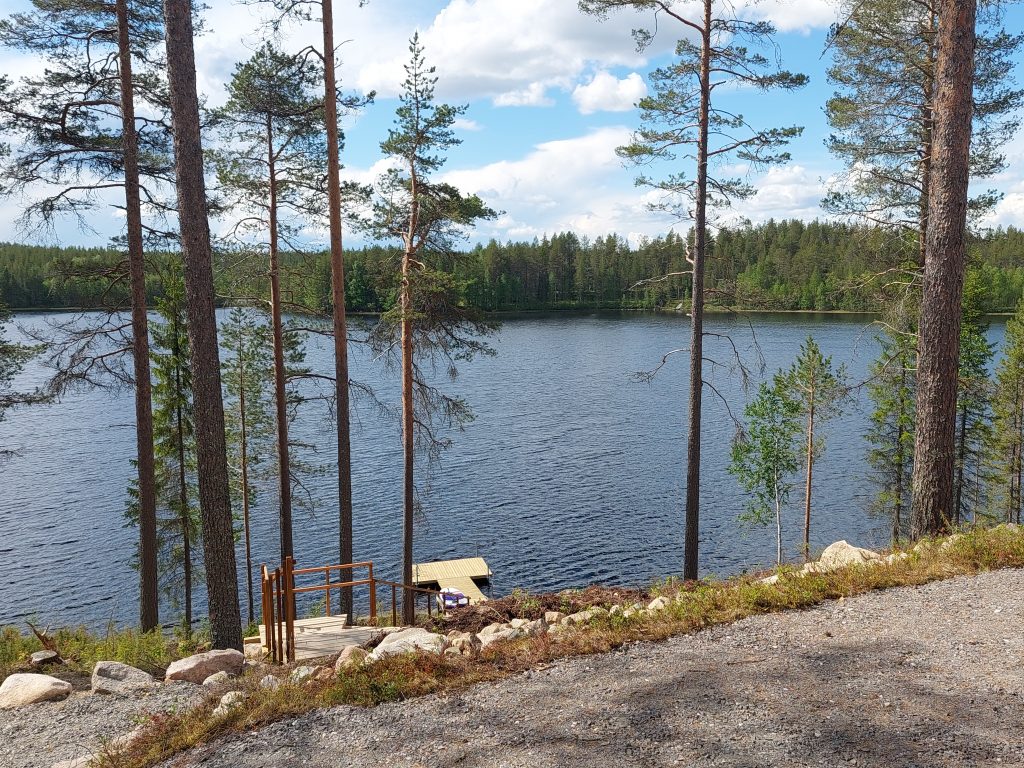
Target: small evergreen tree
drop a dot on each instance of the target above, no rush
(891, 431)
(247, 368)
(1008, 405)
(973, 411)
(178, 516)
(766, 456)
(820, 393)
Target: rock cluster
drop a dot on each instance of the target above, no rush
(842, 554)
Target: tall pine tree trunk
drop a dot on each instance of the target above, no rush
(149, 608)
(408, 412)
(244, 459)
(697, 310)
(183, 514)
(810, 477)
(211, 450)
(932, 505)
(338, 301)
(284, 479)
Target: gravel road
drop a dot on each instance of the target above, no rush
(928, 676)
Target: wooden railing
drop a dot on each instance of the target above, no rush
(279, 591)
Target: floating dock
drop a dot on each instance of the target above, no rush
(464, 574)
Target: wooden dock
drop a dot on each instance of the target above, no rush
(463, 574)
(323, 636)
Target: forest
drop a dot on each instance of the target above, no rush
(783, 266)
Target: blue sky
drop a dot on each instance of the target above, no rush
(550, 95)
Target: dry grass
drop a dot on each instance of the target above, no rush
(695, 607)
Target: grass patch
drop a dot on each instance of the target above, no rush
(693, 606)
(81, 648)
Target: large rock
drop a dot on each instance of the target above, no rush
(195, 669)
(25, 688)
(509, 633)
(119, 679)
(553, 617)
(842, 554)
(409, 641)
(42, 658)
(351, 656)
(228, 702)
(466, 643)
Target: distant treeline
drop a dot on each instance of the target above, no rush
(784, 265)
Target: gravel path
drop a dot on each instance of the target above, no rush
(928, 676)
(39, 735)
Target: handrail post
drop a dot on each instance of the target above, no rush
(373, 596)
(289, 586)
(327, 587)
(279, 652)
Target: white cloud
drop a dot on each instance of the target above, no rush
(783, 192)
(465, 124)
(533, 95)
(607, 93)
(574, 184)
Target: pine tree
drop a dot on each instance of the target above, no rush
(681, 120)
(765, 458)
(973, 411)
(194, 226)
(269, 170)
(429, 325)
(820, 393)
(249, 422)
(1008, 406)
(891, 434)
(174, 431)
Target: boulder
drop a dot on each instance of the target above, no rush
(464, 642)
(195, 669)
(324, 673)
(773, 579)
(27, 688)
(842, 554)
(595, 612)
(534, 628)
(217, 678)
(491, 629)
(658, 604)
(301, 674)
(581, 617)
(510, 633)
(553, 617)
(951, 541)
(229, 701)
(616, 610)
(351, 656)
(409, 641)
(895, 557)
(119, 679)
(518, 623)
(270, 682)
(42, 658)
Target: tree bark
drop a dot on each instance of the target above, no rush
(690, 549)
(284, 479)
(408, 412)
(244, 458)
(932, 507)
(338, 301)
(810, 476)
(211, 453)
(183, 516)
(932, 504)
(149, 602)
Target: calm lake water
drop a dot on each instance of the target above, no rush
(572, 472)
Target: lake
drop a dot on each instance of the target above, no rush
(572, 472)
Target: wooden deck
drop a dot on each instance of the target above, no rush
(323, 636)
(461, 574)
